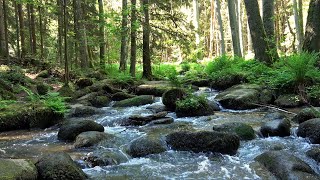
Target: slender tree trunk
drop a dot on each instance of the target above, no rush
(196, 21)
(60, 30)
(124, 34)
(2, 32)
(258, 34)
(33, 30)
(5, 11)
(268, 22)
(29, 28)
(102, 36)
(22, 30)
(41, 29)
(312, 35)
(221, 32)
(66, 62)
(212, 28)
(240, 20)
(300, 12)
(133, 52)
(234, 24)
(297, 24)
(17, 29)
(146, 42)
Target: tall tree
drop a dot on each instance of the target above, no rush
(41, 29)
(60, 30)
(33, 29)
(258, 34)
(221, 32)
(312, 35)
(66, 62)
(22, 30)
(102, 36)
(18, 52)
(133, 51)
(196, 21)
(2, 32)
(212, 28)
(146, 42)
(124, 35)
(234, 24)
(297, 24)
(6, 29)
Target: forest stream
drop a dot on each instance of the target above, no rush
(167, 165)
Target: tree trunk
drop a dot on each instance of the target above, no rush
(124, 34)
(133, 52)
(22, 29)
(18, 52)
(33, 29)
(66, 62)
(212, 28)
(196, 21)
(60, 30)
(102, 37)
(300, 12)
(6, 29)
(312, 35)
(221, 32)
(258, 35)
(268, 22)
(234, 24)
(240, 20)
(146, 42)
(41, 29)
(2, 32)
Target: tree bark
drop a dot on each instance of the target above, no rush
(60, 30)
(2, 32)
(212, 28)
(33, 29)
(240, 20)
(41, 29)
(312, 35)
(221, 32)
(22, 29)
(124, 34)
(66, 62)
(18, 52)
(196, 21)
(146, 42)
(102, 36)
(234, 24)
(258, 34)
(133, 51)
(6, 30)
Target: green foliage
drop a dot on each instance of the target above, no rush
(118, 77)
(191, 102)
(165, 72)
(5, 103)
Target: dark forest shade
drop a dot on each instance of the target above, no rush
(312, 35)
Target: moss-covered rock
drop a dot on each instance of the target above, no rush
(277, 127)
(84, 82)
(17, 169)
(105, 157)
(67, 91)
(99, 101)
(84, 111)
(244, 131)
(135, 101)
(146, 146)
(27, 115)
(288, 101)
(59, 166)
(306, 114)
(170, 98)
(119, 96)
(310, 129)
(204, 141)
(42, 88)
(90, 138)
(193, 106)
(69, 130)
(155, 90)
(43, 74)
(226, 82)
(286, 166)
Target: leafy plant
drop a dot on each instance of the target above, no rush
(5, 103)
(191, 101)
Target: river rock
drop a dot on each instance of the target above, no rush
(306, 114)
(244, 131)
(286, 166)
(90, 138)
(199, 107)
(314, 153)
(204, 141)
(84, 82)
(244, 96)
(135, 101)
(310, 129)
(145, 146)
(155, 108)
(105, 157)
(138, 120)
(165, 120)
(151, 89)
(288, 101)
(84, 111)
(17, 169)
(214, 105)
(119, 96)
(99, 101)
(273, 116)
(226, 82)
(59, 166)
(71, 129)
(170, 97)
(277, 127)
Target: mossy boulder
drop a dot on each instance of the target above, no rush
(204, 141)
(43, 74)
(286, 166)
(228, 81)
(244, 131)
(135, 101)
(288, 101)
(67, 91)
(99, 101)
(193, 106)
(84, 82)
(149, 89)
(105, 157)
(90, 138)
(119, 96)
(69, 130)
(310, 129)
(170, 98)
(306, 114)
(59, 166)
(145, 146)
(17, 169)
(42, 88)
(27, 115)
(84, 111)
(277, 127)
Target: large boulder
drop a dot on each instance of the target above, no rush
(105, 157)
(277, 127)
(226, 82)
(310, 129)
(138, 120)
(288, 101)
(17, 169)
(152, 89)
(286, 166)
(314, 153)
(170, 98)
(59, 166)
(84, 82)
(71, 129)
(99, 101)
(90, 138)
(135, 101)
(119, 96)
(306, 114)
(245, 96)
(145, 146)
(193, 106)
(244, 131)
(84, 111)
(204, 141)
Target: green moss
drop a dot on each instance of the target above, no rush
(17, 169)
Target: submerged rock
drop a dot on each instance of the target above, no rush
(288, 101)
(138, 120)
(17, 169)
(155, 108)
(307, 114)
(71, 129)
(105, 157)
(90, 138)
(135, 101)
(59, 166)
(145, 146)
(314, 154)
(286, 166)
(244, 131)
(170, 98)
(204, 141)
(310, 129)
(277, 127)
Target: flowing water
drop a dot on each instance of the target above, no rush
(170, 164)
